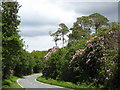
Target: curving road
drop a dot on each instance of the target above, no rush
(30, 82)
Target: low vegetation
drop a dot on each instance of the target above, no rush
(11, 83)
(63, 83)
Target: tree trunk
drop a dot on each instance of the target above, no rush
(96, 30)
(56, 44)
(63, 39)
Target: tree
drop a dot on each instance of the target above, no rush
(63, 30)
(56, 37)
(76, 33)
(25, 64)
(11, 42)
(81, 28)
(38, 59)
(98, 20)
(84, 22)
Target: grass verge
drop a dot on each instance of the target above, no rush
(63, 83)
(10, 83)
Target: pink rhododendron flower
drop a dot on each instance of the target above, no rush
(78, 52)
(95, 36)
(110, 32)
(87, 60)
(50, 52)
(102, 43)
(101, 58)
(89, 41)
(108, 70)
(73, 57)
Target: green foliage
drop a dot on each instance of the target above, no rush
(25, 64)
(93, 62)
(63, 83)
(98, 20)
(87, 66)
(63, 30)
(111, 51)
(85, 24)
(76, 34)
(54, 63)
(11, 43)
(7, 82)
(60, 33)
(38, 57)
(56, 66)
(93, 59)
(29, 63)
(10, 83)
(81, 29)
(56, 37)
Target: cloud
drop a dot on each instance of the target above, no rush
(37, 31)
(38, 17)
(108, 9)
(44, 12)
(39, 43)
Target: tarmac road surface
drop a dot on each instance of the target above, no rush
(29, 82)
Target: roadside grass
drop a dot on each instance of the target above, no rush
(63, 83)
(10, 83)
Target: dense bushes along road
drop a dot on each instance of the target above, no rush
(91, 58)
(15, 59)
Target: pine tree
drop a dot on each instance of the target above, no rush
(63, 30)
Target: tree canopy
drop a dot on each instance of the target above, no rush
(11, 42)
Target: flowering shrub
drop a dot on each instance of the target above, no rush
(93, 61)
(55, 64)
(98, 61)
(94, 44)
(78, 52)
(111, 37)
(89, 62)
(50, 52)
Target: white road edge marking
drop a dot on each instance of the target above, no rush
(35, 81)
(19, 83)
(48, 84)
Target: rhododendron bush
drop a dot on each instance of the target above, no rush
(98, 62)
(111, 52)
(92, 60)
(51, 51)
(53, 66)
(89, 61)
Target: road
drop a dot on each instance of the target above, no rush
(30, 82)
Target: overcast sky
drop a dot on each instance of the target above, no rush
(38, 17)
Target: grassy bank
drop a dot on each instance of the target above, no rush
(63, 83)
(11, 83)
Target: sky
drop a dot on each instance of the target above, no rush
(39, 17)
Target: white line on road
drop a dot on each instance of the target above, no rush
(31, 82)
